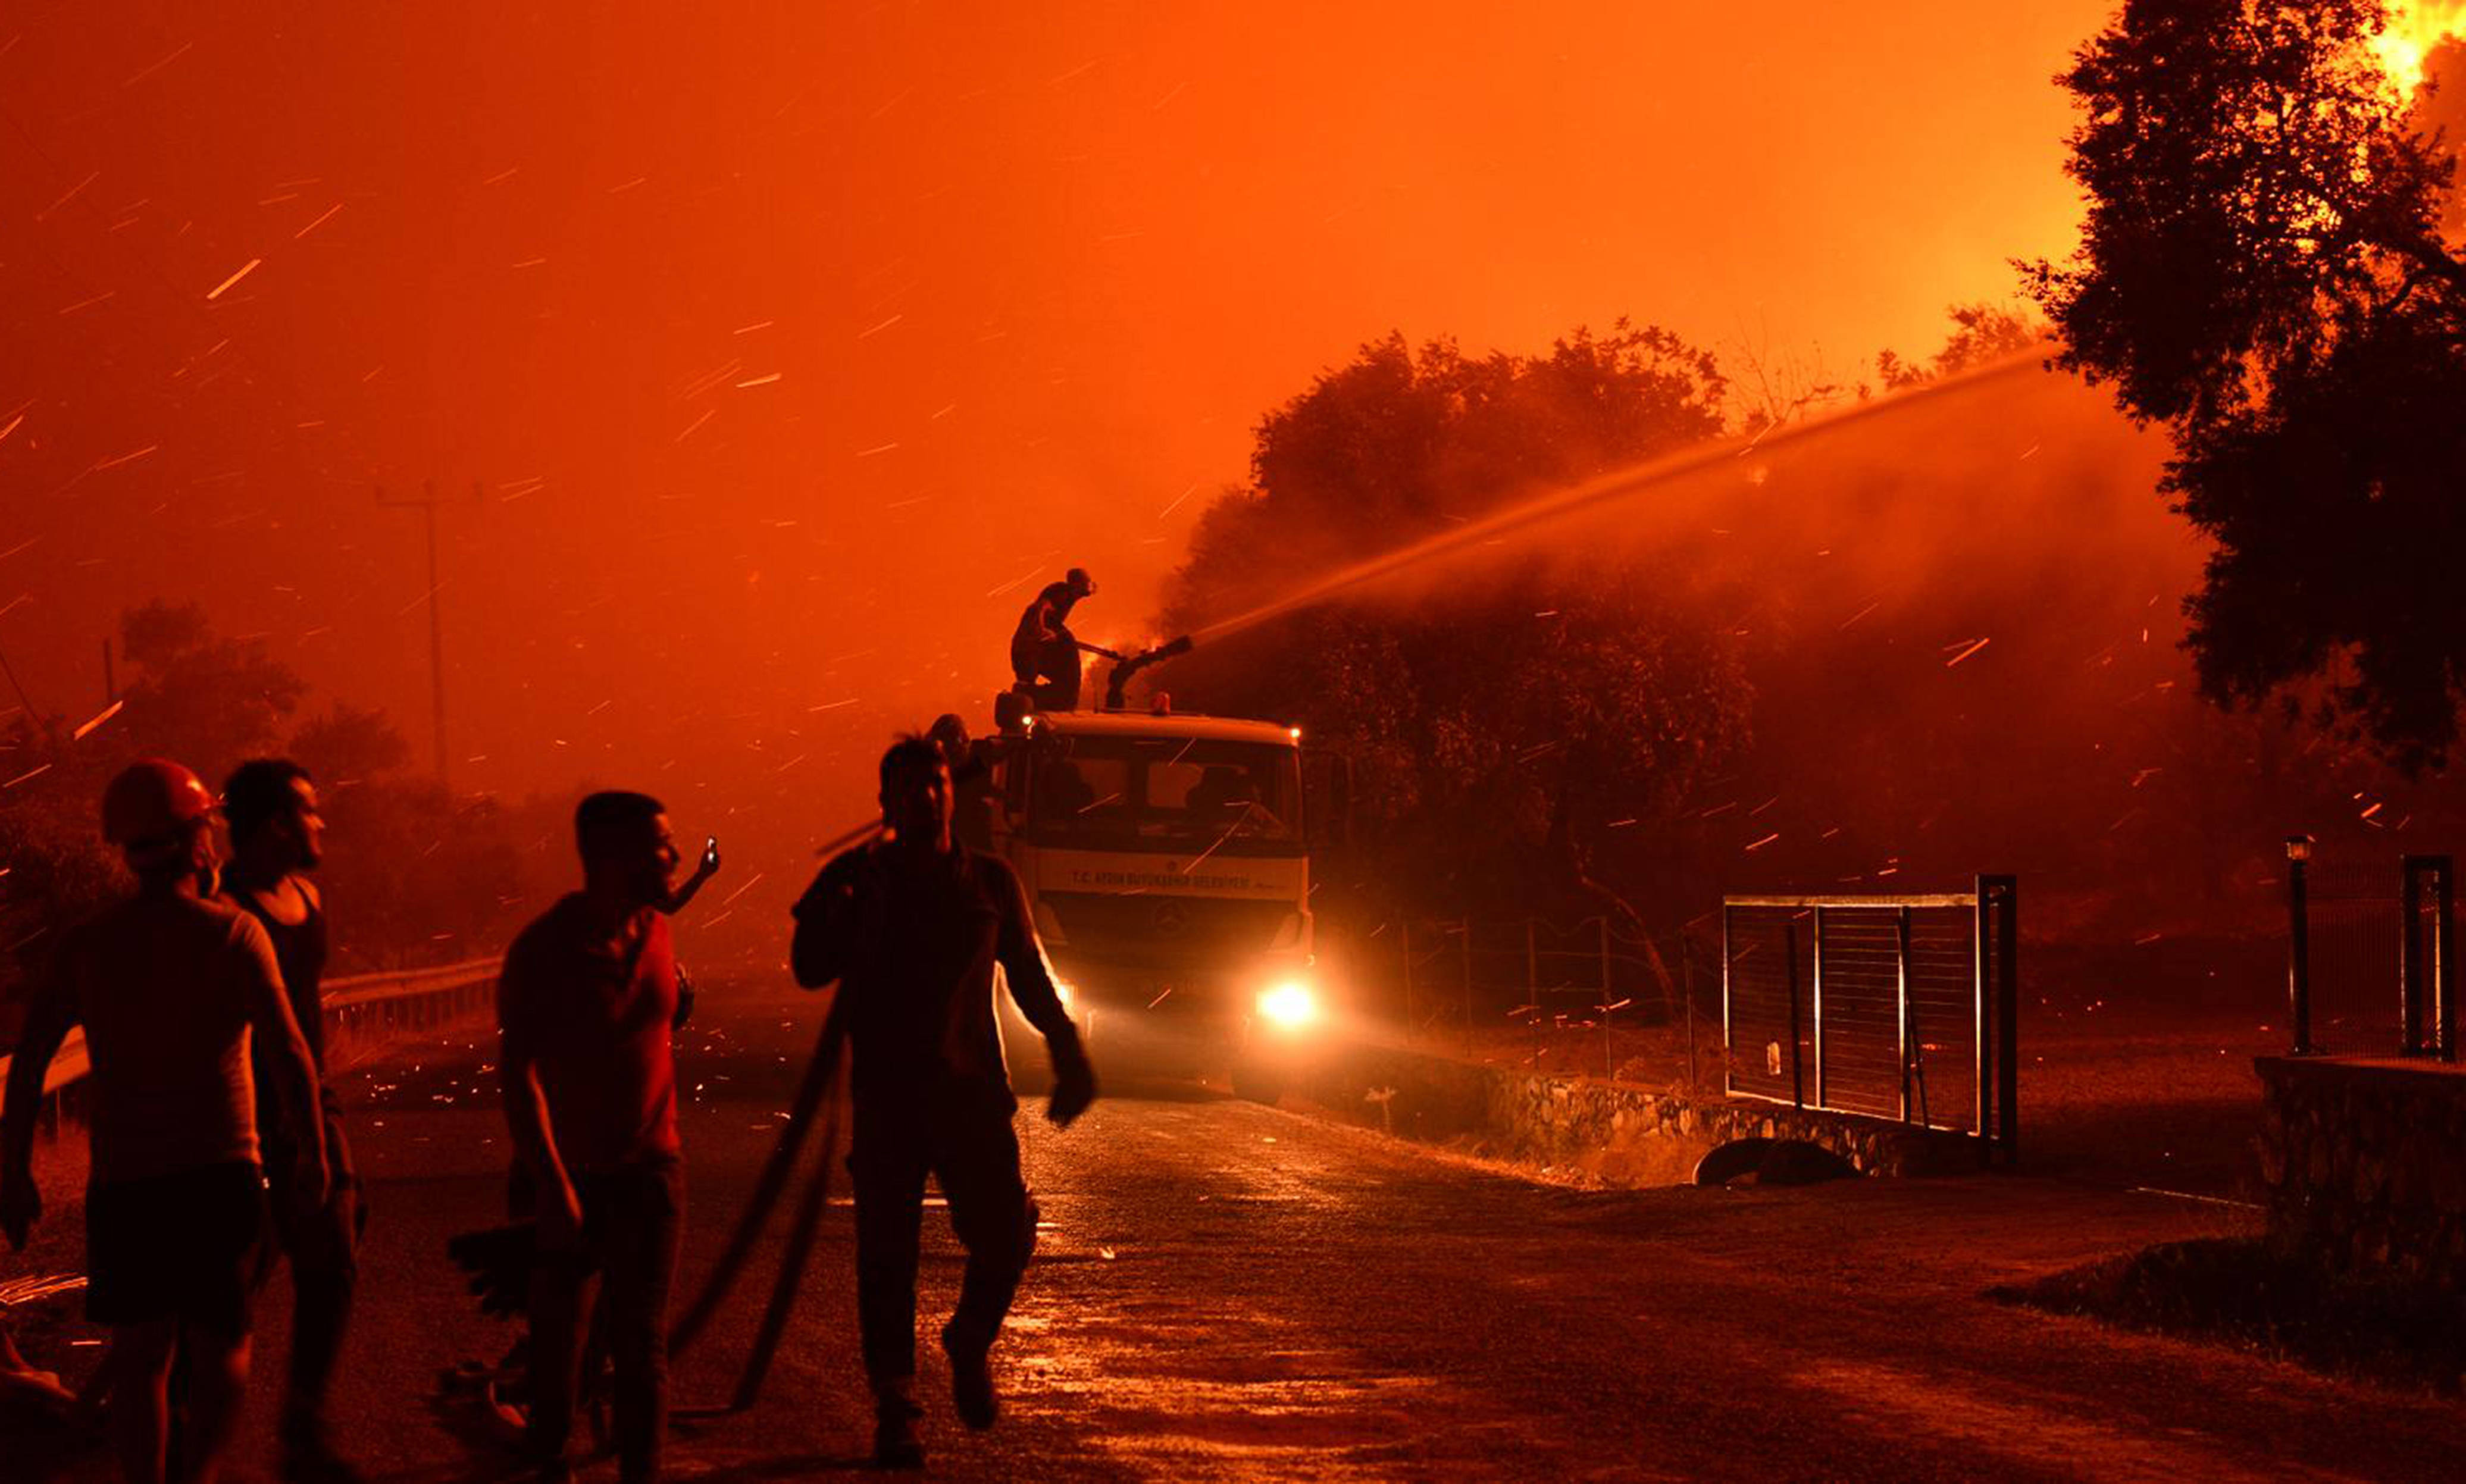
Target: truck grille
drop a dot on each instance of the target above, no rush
(1166, 927)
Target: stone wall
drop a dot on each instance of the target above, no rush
(1620, 1133)
(2366, 1165)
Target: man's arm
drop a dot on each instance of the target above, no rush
(295, 1070)
(48, 1019)
(704, 869)
(1031, 989)
(826, 914)
(527, 1119)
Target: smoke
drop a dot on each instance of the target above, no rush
(1960, 618)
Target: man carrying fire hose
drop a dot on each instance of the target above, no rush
(1043, 652)
(911, 927)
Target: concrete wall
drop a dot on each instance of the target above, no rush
(2366, 1165)
(1624, 1134)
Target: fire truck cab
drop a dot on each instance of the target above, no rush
(1166, 861)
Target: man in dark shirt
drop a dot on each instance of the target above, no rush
(1043, 652)
(586, 1003)
(911, 927)
(277, 834)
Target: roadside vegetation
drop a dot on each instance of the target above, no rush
(415, 875)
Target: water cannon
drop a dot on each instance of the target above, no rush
(1125, 668)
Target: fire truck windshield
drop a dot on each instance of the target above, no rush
(1118, 792)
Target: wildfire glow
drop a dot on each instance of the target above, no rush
(2415, 27)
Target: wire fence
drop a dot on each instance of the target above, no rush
(1588, 998)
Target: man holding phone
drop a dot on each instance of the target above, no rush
(588, 1002)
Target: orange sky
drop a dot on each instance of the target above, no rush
(1025, 276)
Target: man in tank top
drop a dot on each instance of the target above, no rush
(277, 835)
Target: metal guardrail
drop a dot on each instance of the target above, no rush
(1896, 1007)
(363, 1011)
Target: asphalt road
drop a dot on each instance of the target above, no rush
(1225, 1292)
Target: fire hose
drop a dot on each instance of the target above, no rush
(815, 1093)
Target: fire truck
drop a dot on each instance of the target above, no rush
(1166, 858)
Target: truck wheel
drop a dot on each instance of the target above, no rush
(1258, 1084)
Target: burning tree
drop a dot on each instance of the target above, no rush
(2263, 271)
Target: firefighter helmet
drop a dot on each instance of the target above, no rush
(153, 799)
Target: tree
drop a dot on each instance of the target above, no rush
(2262, 271)
(1981, 333)
(415, 874)
(196, 696)
(1496, 726)
(1399, 444)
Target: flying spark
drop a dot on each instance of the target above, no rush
(318, 222)
(245, 269)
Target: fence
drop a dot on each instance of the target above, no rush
(1575, 992)
(1901, 1007)
(364, 1013)
(2368, 965)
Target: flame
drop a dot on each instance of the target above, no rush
(2415, 27)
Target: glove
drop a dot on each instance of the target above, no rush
(1074, 1081)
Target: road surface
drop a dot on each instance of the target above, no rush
(1230, 1291)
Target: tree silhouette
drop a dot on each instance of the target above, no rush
(1496, 723)
(2262, 271)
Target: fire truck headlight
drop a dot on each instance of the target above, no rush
(1289, 1005)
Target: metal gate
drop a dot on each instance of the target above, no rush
(1899, 1008)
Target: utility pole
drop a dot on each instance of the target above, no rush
(427, 506)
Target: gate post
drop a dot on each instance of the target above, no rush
(1532, 993)
(2298, 944)
(1982, 1026)
(1729, 1041)
(1820, 1101)
(2008, 993)
(2443, 983)
(1902, 979)
(1687, 977)
(1609, 994)
(1790, 971)
(2409, 954)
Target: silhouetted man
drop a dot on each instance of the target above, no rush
(277, 835)
(1043, 652)
(587, 1002)
(911, 927)
(171, 986)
